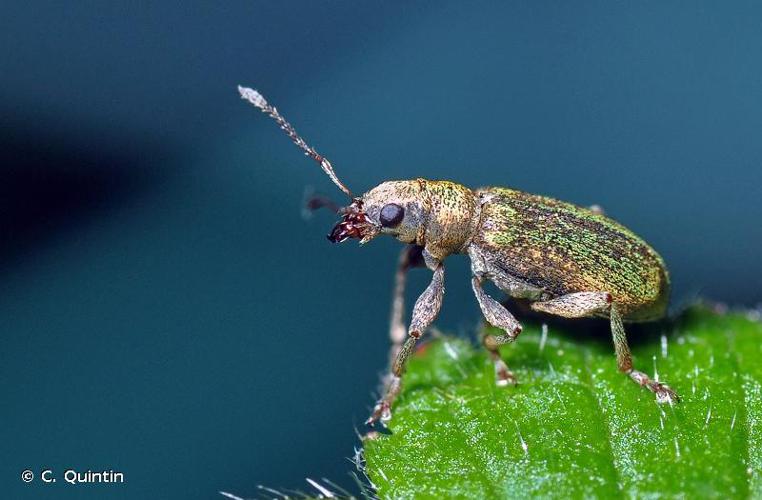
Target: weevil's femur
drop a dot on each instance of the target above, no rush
(354, 224)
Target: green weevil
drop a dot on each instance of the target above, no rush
(563, 259)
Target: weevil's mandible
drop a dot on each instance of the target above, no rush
(564, 259)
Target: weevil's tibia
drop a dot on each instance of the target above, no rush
(425, 311)
(258, 100)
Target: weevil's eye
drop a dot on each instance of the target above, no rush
(391, 215)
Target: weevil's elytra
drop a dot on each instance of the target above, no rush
(556, 246)
(566, 260)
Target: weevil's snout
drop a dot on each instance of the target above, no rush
(354, 224)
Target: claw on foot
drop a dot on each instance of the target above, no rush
(506, 380)
(664, 393)
(503, 376)
(382, 411)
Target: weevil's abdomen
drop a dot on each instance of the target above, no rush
(563, 248)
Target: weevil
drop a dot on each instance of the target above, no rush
(565, 260)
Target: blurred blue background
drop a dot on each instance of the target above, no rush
(166, 311)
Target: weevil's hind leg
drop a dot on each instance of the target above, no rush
(664, 394)
(498, 316)
(586, 304)
(503, 375)
(425, 311)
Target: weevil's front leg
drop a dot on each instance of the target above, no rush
(498, 316)
(410, 257)
(424, 312)
(664, 394)
(586, 304)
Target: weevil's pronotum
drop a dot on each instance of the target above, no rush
(564, 259)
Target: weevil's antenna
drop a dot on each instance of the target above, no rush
(259, 101)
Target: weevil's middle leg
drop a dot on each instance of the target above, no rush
(498, 316)
(425, 311)
(586, 304)
(503, 375)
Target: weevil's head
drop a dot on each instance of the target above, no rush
(440, 215)
(397, 208)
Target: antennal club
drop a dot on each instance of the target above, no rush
(255, 98)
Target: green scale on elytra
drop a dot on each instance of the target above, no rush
(565, 260)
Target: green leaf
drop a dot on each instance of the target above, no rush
(574, 426)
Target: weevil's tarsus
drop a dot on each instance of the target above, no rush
(425, 311)
(503, 375)
(258, 100)
(664, 393)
